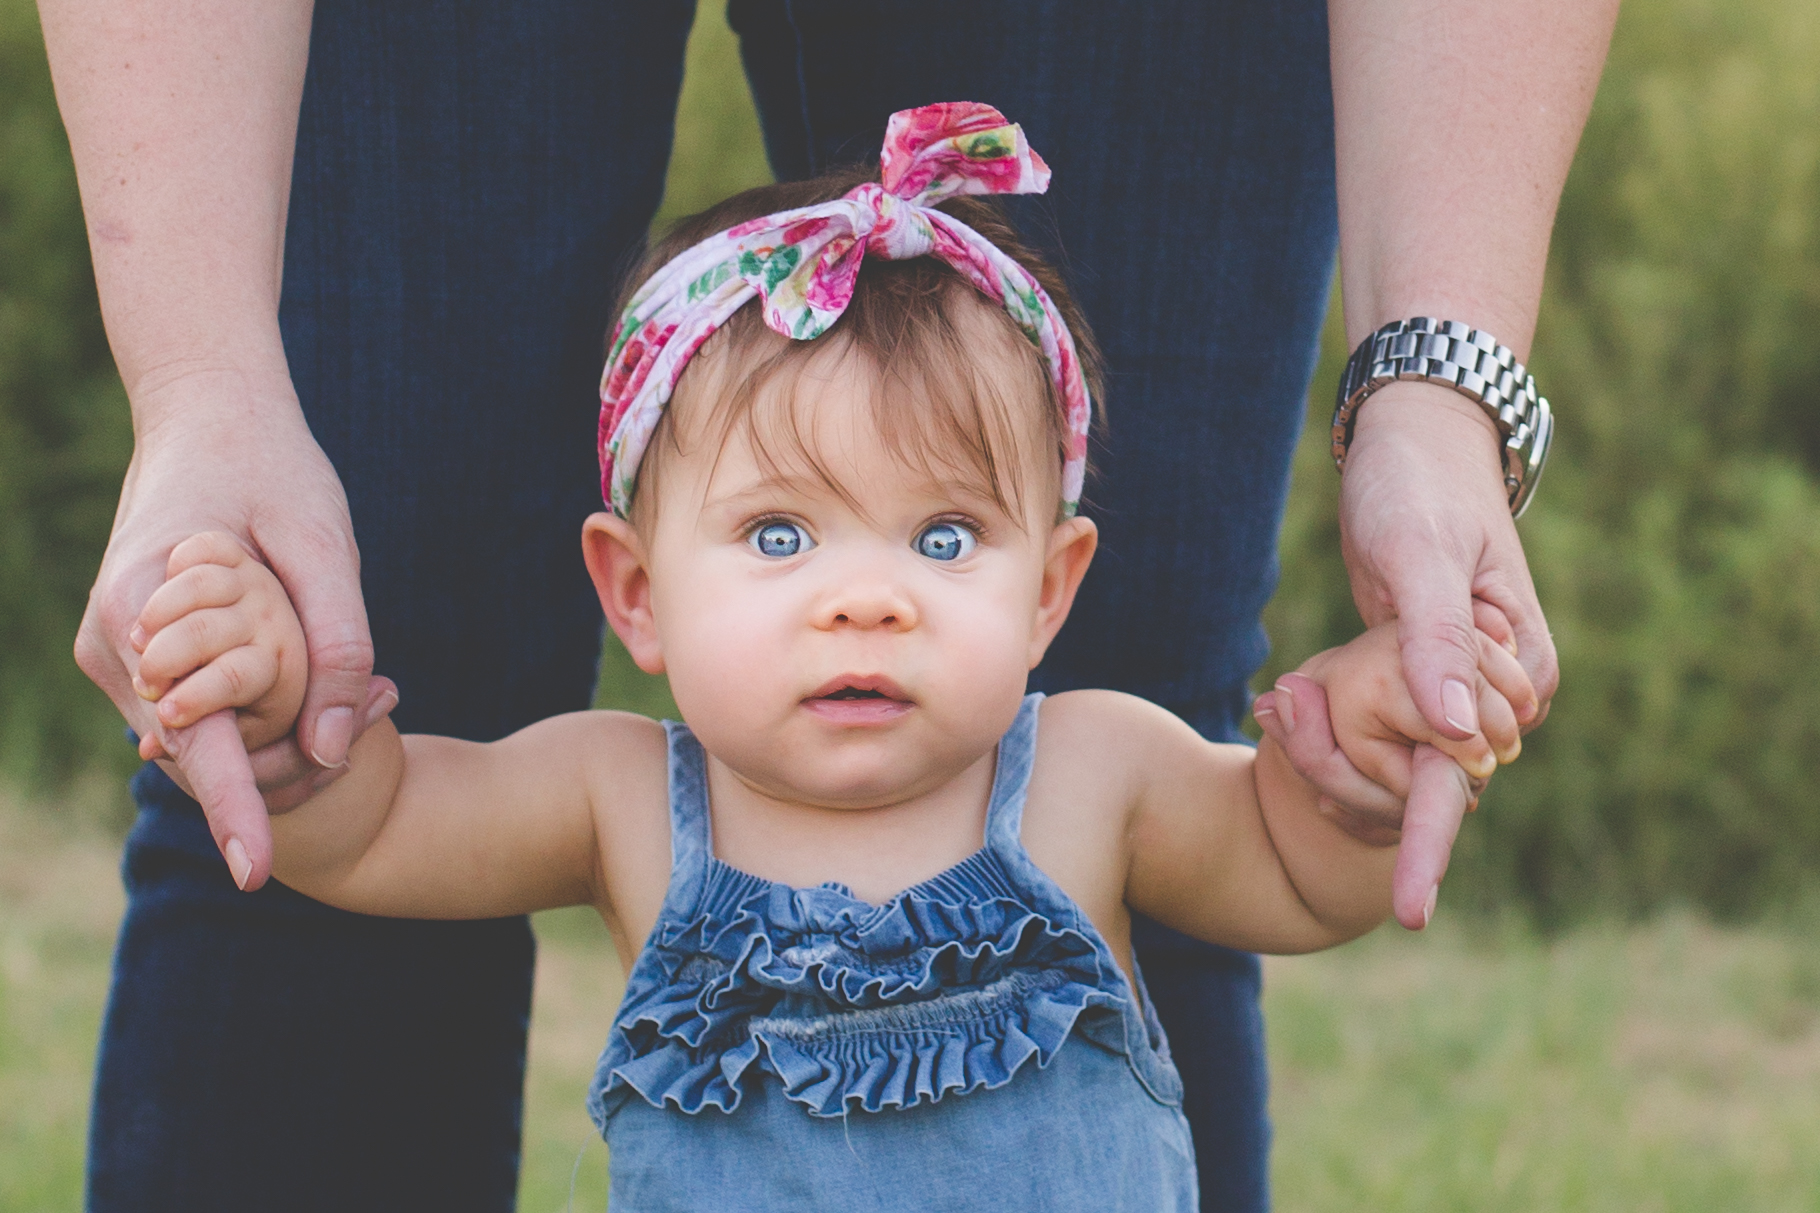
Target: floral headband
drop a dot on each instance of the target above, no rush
(803, 264)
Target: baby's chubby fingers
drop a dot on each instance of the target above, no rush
(165, 655)
(1507, 699)
(1498, 724)
(1294, 715)
(284, 775)
(220, 634)
(183, 647)
(237, 678)
(1511, 679)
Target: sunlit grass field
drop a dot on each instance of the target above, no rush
(1672, 1066)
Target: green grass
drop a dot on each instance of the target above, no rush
(60, 900)
(1664, 1067)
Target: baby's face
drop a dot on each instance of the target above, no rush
(849, 654)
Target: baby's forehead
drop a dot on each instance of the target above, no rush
(964, 409)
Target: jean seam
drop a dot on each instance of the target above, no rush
(802, 88)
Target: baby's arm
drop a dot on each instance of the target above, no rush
(424, 827)
(1236, 847)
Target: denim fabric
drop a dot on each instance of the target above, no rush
(469, 181)
(971, 1044)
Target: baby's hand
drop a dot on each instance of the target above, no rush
(1359, 692)
(1376, 721)
(220, 633)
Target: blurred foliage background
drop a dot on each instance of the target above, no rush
(1676, 543)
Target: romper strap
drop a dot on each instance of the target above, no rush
(1011, 781)
(691, 828)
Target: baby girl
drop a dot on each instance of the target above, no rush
(873, 900)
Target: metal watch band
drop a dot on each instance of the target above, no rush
(1472, 363)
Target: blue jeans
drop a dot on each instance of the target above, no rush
(469, 182)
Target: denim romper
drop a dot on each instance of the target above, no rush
(970, 1044)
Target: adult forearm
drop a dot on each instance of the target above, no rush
(182, 119)
(1455, 122)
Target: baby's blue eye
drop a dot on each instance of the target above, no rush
(781, 539)
(945, 541)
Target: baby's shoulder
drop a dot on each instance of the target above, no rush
(1092, 745)
(1096, 723)
(1106, 746)
(1085, 782)
(619, 750)
(625, 762)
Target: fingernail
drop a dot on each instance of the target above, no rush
(1510, 645)
(1458, 705)
(141, 690)
(1428, 907)
(334, 733)
(1285, 707)
(136, 637)
(383, 706)
(237, 862)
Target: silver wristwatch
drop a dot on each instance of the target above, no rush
(1472, 363)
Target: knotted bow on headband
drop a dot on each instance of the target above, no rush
(803, 264)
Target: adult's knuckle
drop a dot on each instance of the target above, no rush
(346, 654)
(94, 656)
(1452, 628)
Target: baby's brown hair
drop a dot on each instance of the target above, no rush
(936, 410)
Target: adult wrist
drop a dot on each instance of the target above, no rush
(180, 397)
(1459, 359)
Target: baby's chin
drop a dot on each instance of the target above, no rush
(851, 774)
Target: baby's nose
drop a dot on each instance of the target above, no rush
(868, 606)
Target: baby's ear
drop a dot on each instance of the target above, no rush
(615, 554)
(1071, 548)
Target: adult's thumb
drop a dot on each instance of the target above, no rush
(334, 621)
(1440, 649)
(215, 763)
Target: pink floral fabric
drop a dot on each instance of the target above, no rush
(803, 263)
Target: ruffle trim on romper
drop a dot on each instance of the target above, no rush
(950, 987)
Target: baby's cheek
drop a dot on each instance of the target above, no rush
(729, 664)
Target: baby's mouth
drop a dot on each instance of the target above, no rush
(859, 699)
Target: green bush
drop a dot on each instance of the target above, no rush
(64, 433)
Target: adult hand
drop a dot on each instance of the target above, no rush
(1421, 814)
(1426, 532)
(230, 453)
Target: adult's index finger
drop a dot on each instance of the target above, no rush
(216, 765)
(1438, 796)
